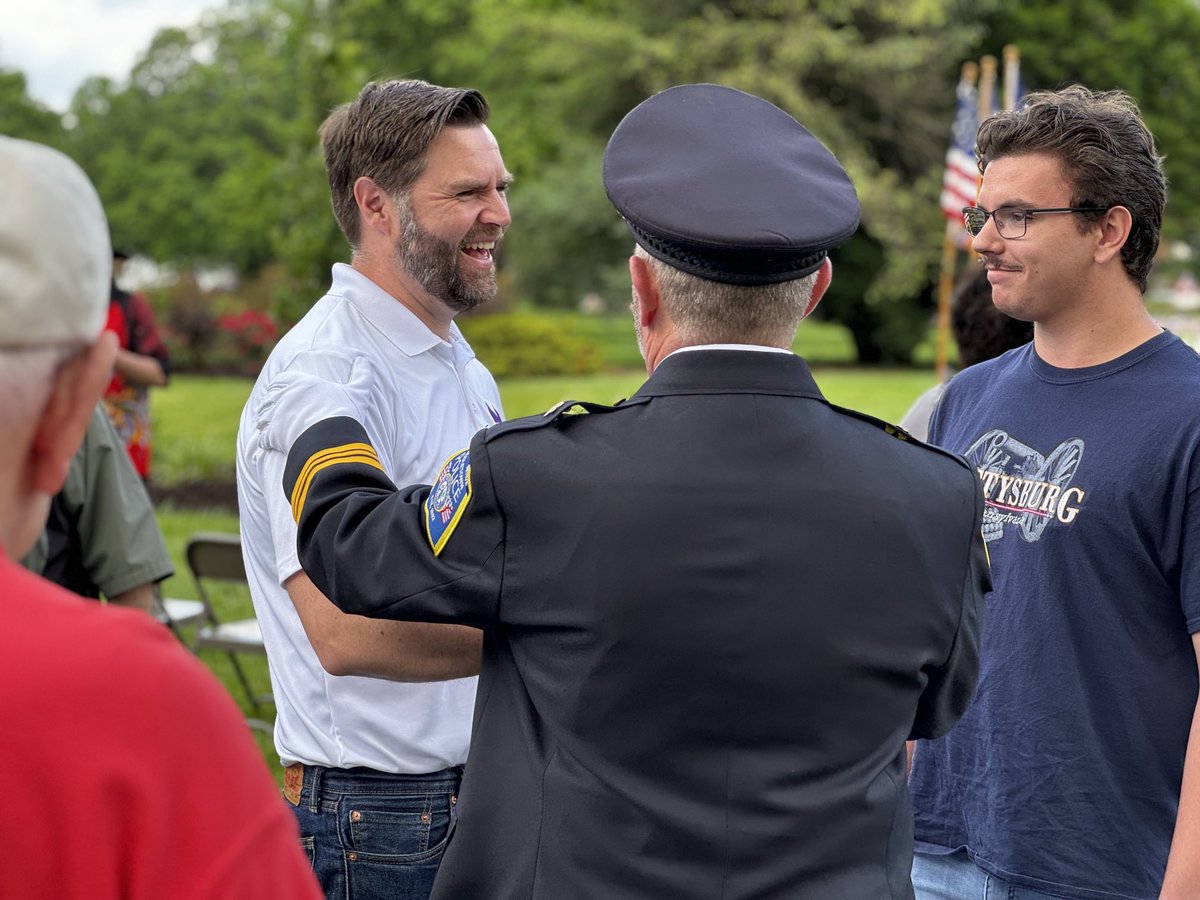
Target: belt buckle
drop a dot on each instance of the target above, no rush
(293, 783)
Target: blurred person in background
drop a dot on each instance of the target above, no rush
(142, 363)
(102, 537)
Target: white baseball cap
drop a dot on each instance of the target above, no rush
(55, 253)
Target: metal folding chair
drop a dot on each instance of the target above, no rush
(177, 612)
(217, 557)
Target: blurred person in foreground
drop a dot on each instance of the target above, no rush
(980, 332)
(102, 537)
(131, 773)
(1076, 771)
(712, 613)
(374, 766)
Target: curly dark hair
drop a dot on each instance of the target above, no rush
(1108, 154)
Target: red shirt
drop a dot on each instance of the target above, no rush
(129, 771)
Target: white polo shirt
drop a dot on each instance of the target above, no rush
(357, 352)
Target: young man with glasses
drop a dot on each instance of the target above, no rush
(1076, 771)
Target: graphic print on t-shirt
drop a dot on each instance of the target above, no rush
(1024, 489)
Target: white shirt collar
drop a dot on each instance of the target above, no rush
(395, 321)
(754, 348)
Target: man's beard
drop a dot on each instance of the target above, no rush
(434, 264)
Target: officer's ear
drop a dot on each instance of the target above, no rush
(645, 290)
(824, 277)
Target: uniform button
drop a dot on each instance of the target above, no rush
(356, 816)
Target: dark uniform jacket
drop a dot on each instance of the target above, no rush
(712, 615)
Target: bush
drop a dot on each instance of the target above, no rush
(524, 344)
(217, 332)
(243, 342)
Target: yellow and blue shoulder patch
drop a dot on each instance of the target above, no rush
(447, 500)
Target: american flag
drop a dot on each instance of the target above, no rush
(961, 179)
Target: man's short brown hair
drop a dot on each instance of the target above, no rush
(384, 134)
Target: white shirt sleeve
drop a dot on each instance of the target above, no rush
(317, 385)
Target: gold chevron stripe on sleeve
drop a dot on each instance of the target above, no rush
(323, 459)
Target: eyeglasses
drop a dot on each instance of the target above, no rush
(1011, 221)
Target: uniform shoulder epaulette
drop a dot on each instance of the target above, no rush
(898, 433)
(558, 412)
(583, 407)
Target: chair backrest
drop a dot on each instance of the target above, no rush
(215, 556)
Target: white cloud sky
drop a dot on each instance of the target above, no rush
(59, 43)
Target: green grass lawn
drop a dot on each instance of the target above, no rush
(196, 419)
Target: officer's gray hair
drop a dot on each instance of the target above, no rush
(711, 312)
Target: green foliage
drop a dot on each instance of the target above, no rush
(873, 79)
(568, 242)
(611, 335)
(885, 328)
(208, 153)
(23, 117)
(534, 396)
(524, 344)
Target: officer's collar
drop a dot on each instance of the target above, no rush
(713, 371)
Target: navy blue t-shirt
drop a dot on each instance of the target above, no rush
(1064, 774)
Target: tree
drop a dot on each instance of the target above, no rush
(22, 116)
(873, 78)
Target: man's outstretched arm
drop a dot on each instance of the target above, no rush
(418, 554)
(382, 648)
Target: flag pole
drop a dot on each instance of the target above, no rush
(1012, 75)
(969, 74)
(987, 86)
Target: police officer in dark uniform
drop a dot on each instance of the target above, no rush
(712, 613)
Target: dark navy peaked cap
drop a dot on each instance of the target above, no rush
(726, 186)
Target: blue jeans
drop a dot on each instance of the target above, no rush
(371, 835)
(955, 877)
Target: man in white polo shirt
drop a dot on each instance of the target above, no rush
(418, 188)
